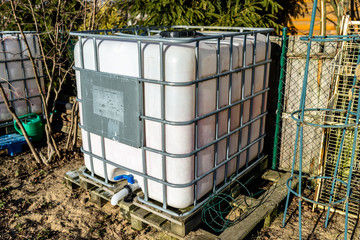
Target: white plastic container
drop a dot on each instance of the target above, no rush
(121, 57)
(23, 94)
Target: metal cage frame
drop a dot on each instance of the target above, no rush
(21, 59)
(146, 35)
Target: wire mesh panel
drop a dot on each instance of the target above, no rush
(344, 93)
(318, 92)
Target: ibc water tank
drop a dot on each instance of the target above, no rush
(180, 114)
(17, 76)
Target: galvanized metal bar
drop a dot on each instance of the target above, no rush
(280, 97)
(104, 156)
(243, 99)
(14, 100)
(299, 129)
(179, 123)
(20, 79)
(166, 40)
(19, 60)
(263, 97)
(202, 147)
(95, 49)
(162, 99)
(10, 98)
(254, 163)
(82, 66)
(37, 60)
(222, 74)
(154, 28)
(166, 182)
(196, 133)
(313, 201)
(348, 190)
(24, 75)
(142, 111)
(251, 99)
(229, 103)
(340, 150)
(218, 47)
(96, 63)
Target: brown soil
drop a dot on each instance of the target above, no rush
(35, 204)
(312, 224)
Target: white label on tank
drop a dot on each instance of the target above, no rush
(108, 103)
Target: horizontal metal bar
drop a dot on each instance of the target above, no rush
(334, 39)
(174, 185)
(7, 124)
(256, 162)
(328, 36)
(21, 99)
(206, 115)
(201, 148)
(98, 180)
(207, 145)
(182, 83)
(133, 37)
(313, 201)
(19, 79)
(20, 60)
(157, 28)
(17, 32)
(345, 125)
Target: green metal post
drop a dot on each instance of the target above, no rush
(280, 95)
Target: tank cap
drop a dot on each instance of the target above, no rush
(178, 33)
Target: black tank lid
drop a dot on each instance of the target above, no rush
(178, 33)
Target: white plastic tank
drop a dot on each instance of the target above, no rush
(121, 57)
(17, 75)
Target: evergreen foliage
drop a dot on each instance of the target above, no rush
(244, 13)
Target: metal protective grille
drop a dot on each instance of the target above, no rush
(225, 158)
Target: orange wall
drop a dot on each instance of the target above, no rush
(302, 24)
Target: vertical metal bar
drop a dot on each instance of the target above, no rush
(241, 104)
(216, 156)
(218, 97)
(36, 39)
(163, 144)
(104, 156)
(196, 167)
(251, 100)
(280, 97)
(142, 111)
(229, 102)
(24, 76)
(351, 165)
(96, 62)
(340, 148)
(36, 53)
(264, 94)
(7, 73)
(300, 123)
(82, 65)
(322, 17)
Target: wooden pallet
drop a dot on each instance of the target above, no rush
(137, 213)
(140, 214)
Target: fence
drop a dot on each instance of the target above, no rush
(318, 93)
